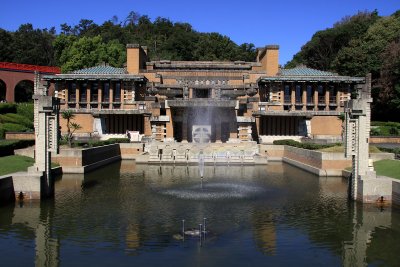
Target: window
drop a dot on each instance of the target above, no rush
(287, 94)
(82, 92)
(94, 92)
(201, 93)
(117, 92)
(332, 94)
(321, 94)
(106, 92)
(72, 92)
(310, 94)
(299, 94)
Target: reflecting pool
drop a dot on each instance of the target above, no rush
(131, 215)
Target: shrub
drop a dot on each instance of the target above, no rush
(11, 127)
(7, 146)
(310, 146)
(16, 119)
(25, 110)
(8, 108)
(383, 123)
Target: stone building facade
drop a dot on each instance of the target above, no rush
(217, 100)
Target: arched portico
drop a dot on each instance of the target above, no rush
(3, 91)
(23, 91)
(12, 74)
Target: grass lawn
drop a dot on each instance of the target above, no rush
(10, 164)
(388, 167)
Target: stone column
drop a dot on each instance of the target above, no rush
(46, 136)
(327, 96)
(111, 95)
(147, 125)
(292, 94)
(170, 129)
(88, 94)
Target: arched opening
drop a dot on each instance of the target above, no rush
(23, 91)
(3, 91)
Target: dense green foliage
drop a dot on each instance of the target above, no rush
(385, 128)
(310, 146)
(8, 108)
(15, 118)
(10, 164)
(88, 44)
(361, 44)
(7, 146)
(387, 167)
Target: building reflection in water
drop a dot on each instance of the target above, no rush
(33, 216)
(148, 218)
(366, 220)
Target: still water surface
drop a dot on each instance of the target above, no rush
(131, 215)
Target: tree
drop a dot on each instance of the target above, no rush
(363, 55)
(33, 46)
(132, 18)
(6, 51)
(87, 52)
(68, 115)
(324, 46)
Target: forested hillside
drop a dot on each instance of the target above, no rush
(363, 43)
(356, 45)
(88, 44)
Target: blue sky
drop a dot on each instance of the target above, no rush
(288, 23)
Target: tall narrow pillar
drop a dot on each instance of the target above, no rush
(147, 126)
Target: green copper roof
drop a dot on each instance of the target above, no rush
(304, 74)
(304, 71)
(101, 69)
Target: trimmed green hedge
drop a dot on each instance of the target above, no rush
(310, 146)
(385, 128)
(8, 108)
(26, 110)
(383, 123)
(16, 119)
(7, 146)
(11, 127)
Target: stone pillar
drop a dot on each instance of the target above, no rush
(293, 93)
(46, 136)
(88, 94)
(327, 96)
(111, 95)
(304, 96)
(147, 126)
(363, 185)
(316, 97)
(170, 128)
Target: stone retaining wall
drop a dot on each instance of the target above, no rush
(384, 139)
(131, 150)
(20, 136)
(73, 160)
(319, 163)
